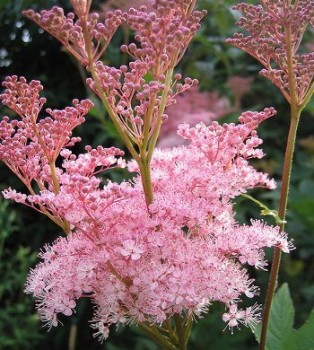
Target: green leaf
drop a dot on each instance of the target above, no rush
(281, 334)
(265, 211)
(281, 319)
(302, 339)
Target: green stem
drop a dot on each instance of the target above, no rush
(182, 340)
(64, 224)
(287, 167)
(147, 147)
(308, 96)
(144, 166)
(162, 107)
(188, 328)
(72, 337)
(103, 96)
(171, 332)
(148, 122)
(157, 337)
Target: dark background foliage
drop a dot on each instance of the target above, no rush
(26, 50)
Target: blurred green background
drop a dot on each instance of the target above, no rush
(26, 50)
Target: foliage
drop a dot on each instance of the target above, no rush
(282, 335)
(19, 324)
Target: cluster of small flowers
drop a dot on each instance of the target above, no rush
(30, 144)
(162, 35)
(275, 33)
(138, 261)
(70, 33)
(122, 85)
(137, 265)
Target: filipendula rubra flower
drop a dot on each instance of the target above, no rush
(275, 30)
(162, 37)
(135, 95)
(140, 265)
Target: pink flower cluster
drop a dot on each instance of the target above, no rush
(161, 33)
(194, 106)
(138, 260)
(275, 33)
(30, 144)
(69, 31)
(162, 37)
(137, 265)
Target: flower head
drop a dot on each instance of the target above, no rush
(69, 31)
(275, 30)
(185, 253)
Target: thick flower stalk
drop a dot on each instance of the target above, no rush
(275, 32)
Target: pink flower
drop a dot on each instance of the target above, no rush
(137, 260)
(250, 316)
(185, 253)
(68, 30)
(131, 249)
(30, 144)
(270, 27)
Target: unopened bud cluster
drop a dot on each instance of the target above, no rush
(275, 31)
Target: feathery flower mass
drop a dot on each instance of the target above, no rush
(137, 265)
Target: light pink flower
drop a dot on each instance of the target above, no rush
(131, 249)
(185, 253)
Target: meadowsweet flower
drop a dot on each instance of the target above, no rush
(234, 316)
(275, 31)
(184, 253)
(161, 33)
(69, 31)
(138, 260)
(30, 144)
(162, 36)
